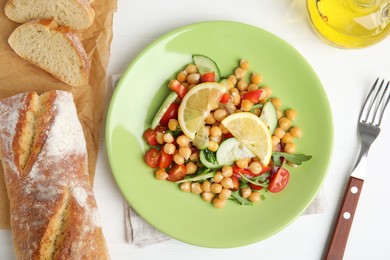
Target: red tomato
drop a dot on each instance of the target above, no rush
(150, 136)
(237, 170)
(170, 113)
(152, 157)
(255, 187)
(236, 183)
(253, 96)
(207, 77)
(165, 160)
(225, 98)
(177, 173)
(176, 86)
(279, 180)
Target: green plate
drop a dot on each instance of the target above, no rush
(185, 216)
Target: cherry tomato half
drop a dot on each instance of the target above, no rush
(165, 160)
(170, 113)
(225, 98)
(255, 187)
(207, 77)
(177, 173)
(253, 96)
(152, 157)
(279, 180)
(236, 183)
(180, 90)
(150, 136)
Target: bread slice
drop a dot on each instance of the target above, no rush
(76, 14)
(53, 48)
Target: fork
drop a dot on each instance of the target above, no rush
(370, 119)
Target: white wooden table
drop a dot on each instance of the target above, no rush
(346, 75)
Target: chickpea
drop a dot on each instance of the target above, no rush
(290, 148)
(193, 78)
(225, 194)
(255, 167)
(236, 99)
(173, 124)
(242, 85)
(207, 196)
(206, 186)
(234, 90)
(191, 168)
(268, 91)
(160, 138)
(291, 114)
(246, 105)
(233, 79)
(256, 78)
(277, 102)
(182, 140)
(194, 156)
(191, 86)
(246, 192)
(161, 174)
(196, 188)
(275, 140)
(185, 186)
(257, 111)
(218, 177)
(191, 68)
(217, 139)
(178, 159)
(244, 64)
(242, 163)
(239, 73)
(210, 119)
(279, 113)
(224, 129)
(213, 146)
(220, 114)
(168, 138)
(287, 138)
(253, 87)
(227, 171)
(279, 132)
(284, 123)
(215, 131)
(218, 203)
(254, 197)
(216, 188)
(182, 76)
(185, 152)
(296, 132)
(227, 183)
(169, 148)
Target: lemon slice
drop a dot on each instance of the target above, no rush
(251, 131)
(196, 106)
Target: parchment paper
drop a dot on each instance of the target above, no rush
(18, 75)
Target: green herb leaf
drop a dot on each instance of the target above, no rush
(240, 200)
(256, 106)
(293, 158)
(199, 177)
(256, 181)
(210, 156)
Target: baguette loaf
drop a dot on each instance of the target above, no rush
(53, 48)
(43, 153)
(76, 14)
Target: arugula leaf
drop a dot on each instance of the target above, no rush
(240, 200)
(210, 156)
(199, 177)
(255, 181)
(293, 158)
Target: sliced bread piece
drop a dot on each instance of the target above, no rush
(76, 14)
(53, 48)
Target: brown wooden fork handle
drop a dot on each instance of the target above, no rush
(339, 237)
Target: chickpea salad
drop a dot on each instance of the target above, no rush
(223, 138)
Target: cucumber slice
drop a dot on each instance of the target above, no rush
(205, 64)
(269, 116)
(232, 150)
(163, 108)
(206, 163)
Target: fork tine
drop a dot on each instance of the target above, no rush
(387, 101)
(379, 103)
(363, 111)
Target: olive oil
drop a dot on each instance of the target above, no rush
(350, 23)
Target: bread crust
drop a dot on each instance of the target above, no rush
(53, 209)
(84, 5)
(72, 40)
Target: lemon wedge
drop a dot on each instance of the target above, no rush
(252, 132)
(196, 106)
